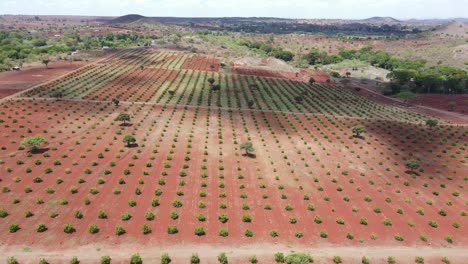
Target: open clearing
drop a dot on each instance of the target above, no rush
(310, 185)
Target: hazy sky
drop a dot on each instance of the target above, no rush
(402, 9)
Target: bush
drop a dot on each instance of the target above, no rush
(105, 260)
(3, 213)
(253, 259)
(68, 228)
(41, 228)
(74, 260)
(365, 260)
(246, 218)
(43, 261)
(337, 259)
(13, 227)
(222, 258)
(194, 259)
(223, 232)
(119, 230)
(11, 260)
(419, 259)
(93, 228)
(135, 259)
(223, 218)
(248, 233)
(279, 257)
(165, 259)
(298, 258)
(145, 229)
(172, 229)
(199, 231)
(391, 260)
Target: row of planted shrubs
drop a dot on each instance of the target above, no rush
(293, 258)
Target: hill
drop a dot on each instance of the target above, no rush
(382, 20)
(127, 19)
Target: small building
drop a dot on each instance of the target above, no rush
(105, 47)
(16, 68)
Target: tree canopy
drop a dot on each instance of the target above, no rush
(357, 130)
(123, 117)
(33, 143)
(412, 164)
(129, 139)
(248, 147)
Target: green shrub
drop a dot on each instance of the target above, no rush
(135, 259)
(68, 228)
(194, 259)
(11, 260)
(298, 258)
(222, 258)
(119, 230)
(172, 229)
(93, 229)
(279, 257)
(223, 232)
(105, 260)
(253, 259)
(145, 229)
(41, 228)
(13, 227)
(74, 260)
(199, 231)
(3, 213)
(248, 233)
(337, 259)
(165, 259)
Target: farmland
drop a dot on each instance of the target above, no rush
(309, 182)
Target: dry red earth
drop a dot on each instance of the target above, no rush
(440, 101)
(307, 165)
(14, 81)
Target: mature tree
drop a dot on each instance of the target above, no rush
(451, 105)
(250, 103)
(216, 87)
(412, 165)
(115, 101)
(45, 61)
(123, 117)
(248, 147)
(129, 139)
(405, 95)
(298, 99)
(211, 81)
(348, 74)
(358, 130)
(311, 80)
(431, 122)
(57, 94)
(32, 143)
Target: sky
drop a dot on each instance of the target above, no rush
(350, 9)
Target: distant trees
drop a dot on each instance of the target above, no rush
(248, 147)
(265, 48)
(311, 80)
(115, 101)
(33, 143)
(124, 117)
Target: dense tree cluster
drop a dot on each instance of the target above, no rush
(406, 75)
(269, 50)
(18, 45)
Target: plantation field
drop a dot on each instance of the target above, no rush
(309, 183)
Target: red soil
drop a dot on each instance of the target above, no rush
(440, 101)
(15, 81)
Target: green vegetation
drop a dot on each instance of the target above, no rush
(33, 143)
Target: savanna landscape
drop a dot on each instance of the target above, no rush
(140, 139)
